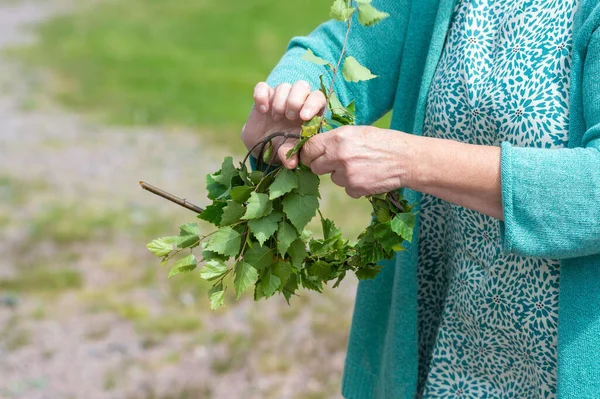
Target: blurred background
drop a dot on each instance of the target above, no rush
(96, 95)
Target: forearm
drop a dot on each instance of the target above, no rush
(464, 174)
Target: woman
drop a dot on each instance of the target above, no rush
(496, 133)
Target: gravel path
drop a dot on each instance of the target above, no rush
(56, 345)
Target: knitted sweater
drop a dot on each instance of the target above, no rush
(551, 197)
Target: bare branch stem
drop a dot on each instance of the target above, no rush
(339, 63)
(179, 201)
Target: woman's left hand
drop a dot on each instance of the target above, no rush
(363, 159)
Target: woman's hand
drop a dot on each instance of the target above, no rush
(281, 109)
(367, 161)
(364, 160)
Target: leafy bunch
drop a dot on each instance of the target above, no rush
(261, 216)
(261, 232)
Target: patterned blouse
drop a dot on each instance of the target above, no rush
(488, 321)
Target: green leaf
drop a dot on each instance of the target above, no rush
(351, 108)
(388, 239)
(269, 284)
(226, 241)
(369, 15)
(211, 255)
(308, 182)
(183, 265)
(383, 214)
(227, 173)
(311, 127)
(403, 224)
(311, 283)
(212, 270)
(382, 230)
(188, 242)
(297, 147)
(244, 175)
(256, 176)
(160, 247)
(339, 113)
(189, 229)
(368, 273)
(245, 276)
(240, 194)
(335, 105)
(283, 270)
(213, 213)
(311, 57)
(265, 227)
(300, 209)
(353, 71)
(322, 85)
(320, 269)
(258, 206)
(340, 11)
(232, 213)
(215, 190)
(216, 296)
(285, 181)
(268, 152)
(286, 235)
(259, 257)
(330, 230)
(290, 288)
(371, 252)
(189, 236)
(298, 253)
(341, 120)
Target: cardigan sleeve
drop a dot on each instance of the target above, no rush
(551, 197)
(378, 48)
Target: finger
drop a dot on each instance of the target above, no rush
(315, 102)
(291, 163)
(353, 193)
(338, 179)
(262, 95)
(314, 148)
(321, 166)
(298, 95)
(279, 102)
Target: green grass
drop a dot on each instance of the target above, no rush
(69, 223)
(166, 324)
(175, 62)
(12, 336)
(43, 281)
(15, 191)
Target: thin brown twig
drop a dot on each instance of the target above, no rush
(339, 63)
(179, 201)
(392, 196)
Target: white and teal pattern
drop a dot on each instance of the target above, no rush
(488, 321)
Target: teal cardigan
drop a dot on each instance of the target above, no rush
(551, 197)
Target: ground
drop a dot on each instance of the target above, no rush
(85, 310)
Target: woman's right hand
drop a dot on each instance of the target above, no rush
(281, 109)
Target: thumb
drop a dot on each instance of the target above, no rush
(292, 162)
(314, 148)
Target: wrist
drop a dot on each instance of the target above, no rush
(412, 162)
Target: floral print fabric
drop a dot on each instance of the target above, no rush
(488, 320)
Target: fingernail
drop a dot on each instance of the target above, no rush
(263, 109)
(306, 113)
(291, 115)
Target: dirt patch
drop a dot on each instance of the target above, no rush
(90, 323)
